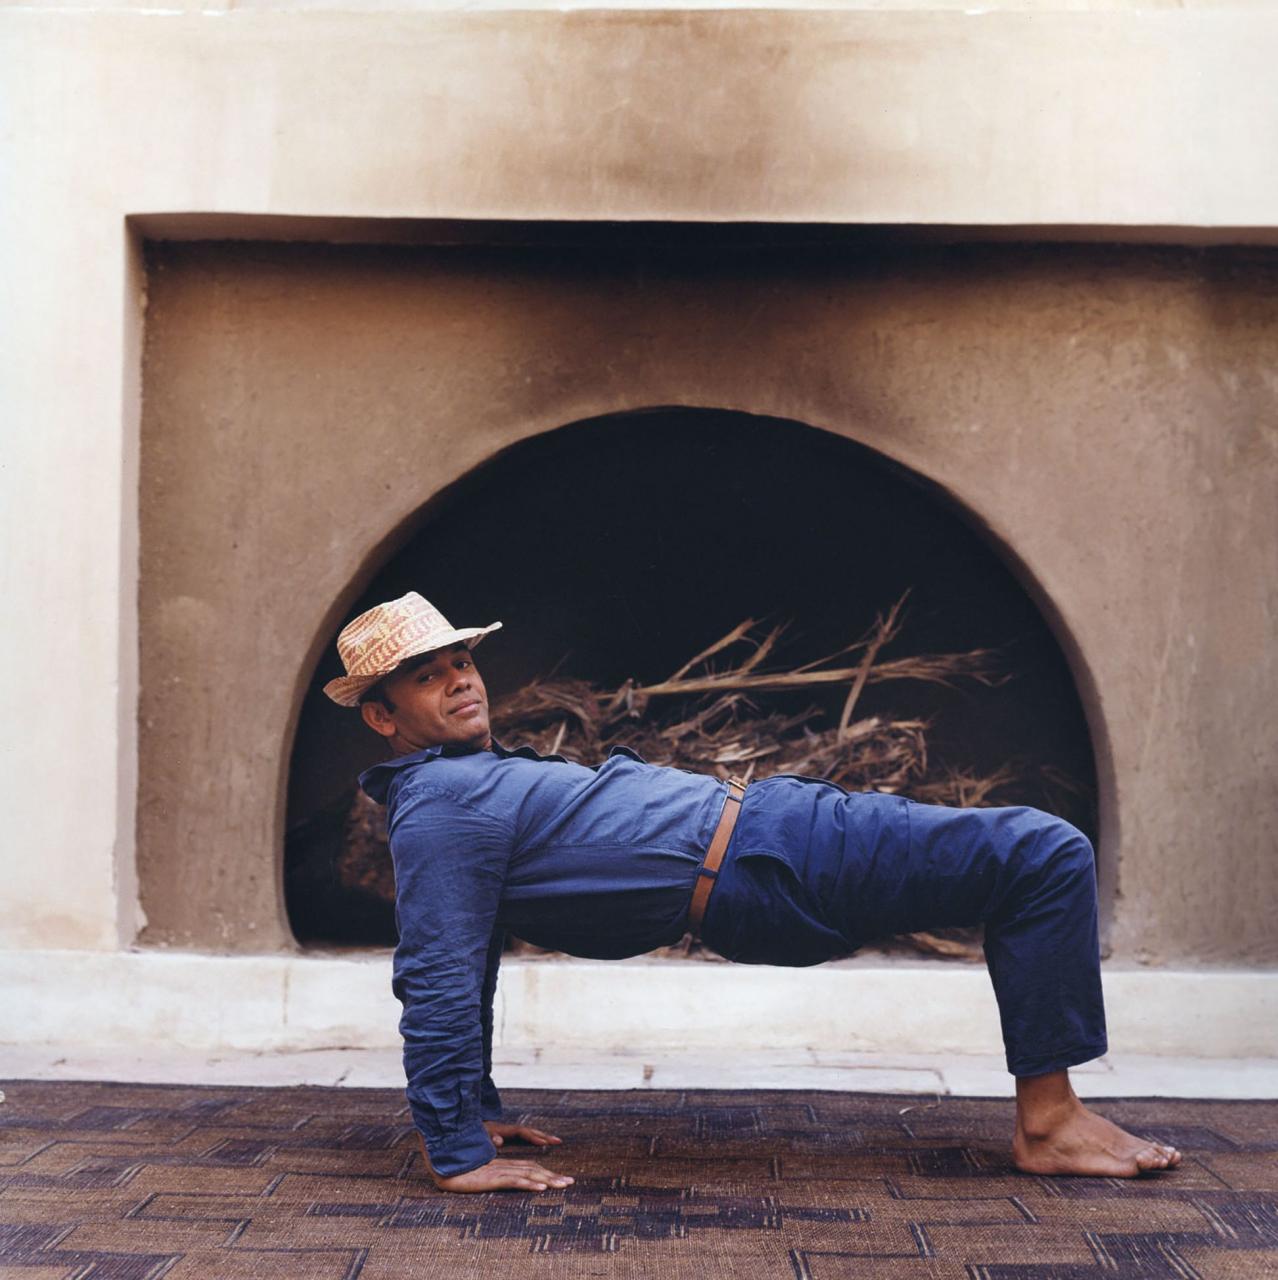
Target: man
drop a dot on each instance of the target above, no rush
(622, 858)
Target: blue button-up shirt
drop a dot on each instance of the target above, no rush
(598, 862)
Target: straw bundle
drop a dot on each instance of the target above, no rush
(712, 721)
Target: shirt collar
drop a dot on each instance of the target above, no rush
(376, 781)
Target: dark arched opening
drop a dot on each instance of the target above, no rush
(619, 547)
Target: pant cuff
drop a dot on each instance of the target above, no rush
(1060, 1061)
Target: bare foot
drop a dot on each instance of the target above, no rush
(1078, 1141)
(1055, 1133)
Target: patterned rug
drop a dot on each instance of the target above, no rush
(132, 1182)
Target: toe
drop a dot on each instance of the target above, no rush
(1150, 1157)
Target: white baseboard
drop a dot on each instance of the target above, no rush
(865, 1005)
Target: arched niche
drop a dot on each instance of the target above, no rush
(618, 546)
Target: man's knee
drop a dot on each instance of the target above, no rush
(1061, 850)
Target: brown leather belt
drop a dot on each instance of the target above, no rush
(709, 872)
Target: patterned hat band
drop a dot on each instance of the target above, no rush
(376, 642)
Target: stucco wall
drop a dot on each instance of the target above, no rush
(1106, 413)
(1148, 122)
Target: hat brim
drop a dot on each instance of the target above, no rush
(346, 691)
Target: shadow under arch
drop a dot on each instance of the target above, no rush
(618, 545)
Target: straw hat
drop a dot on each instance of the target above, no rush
(376, 642)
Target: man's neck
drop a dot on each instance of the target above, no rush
(401, 747)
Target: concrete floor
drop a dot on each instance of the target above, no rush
(1118, 1075)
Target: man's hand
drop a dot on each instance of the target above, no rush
(501, 1133)
(504, 1175)
(500, 1174)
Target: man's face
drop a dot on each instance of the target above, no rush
(441, 700)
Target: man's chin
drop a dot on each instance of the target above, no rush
(474, 730)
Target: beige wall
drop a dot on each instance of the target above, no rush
(1129, 120)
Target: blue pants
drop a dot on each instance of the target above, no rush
(814, 872)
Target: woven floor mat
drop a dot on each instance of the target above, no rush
(131, 1182)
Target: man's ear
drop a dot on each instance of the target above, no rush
(378, 719)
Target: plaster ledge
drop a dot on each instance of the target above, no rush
(295, 1003)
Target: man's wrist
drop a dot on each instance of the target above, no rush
(442, 1180)
(469, 1150)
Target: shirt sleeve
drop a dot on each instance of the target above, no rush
(450, 866)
